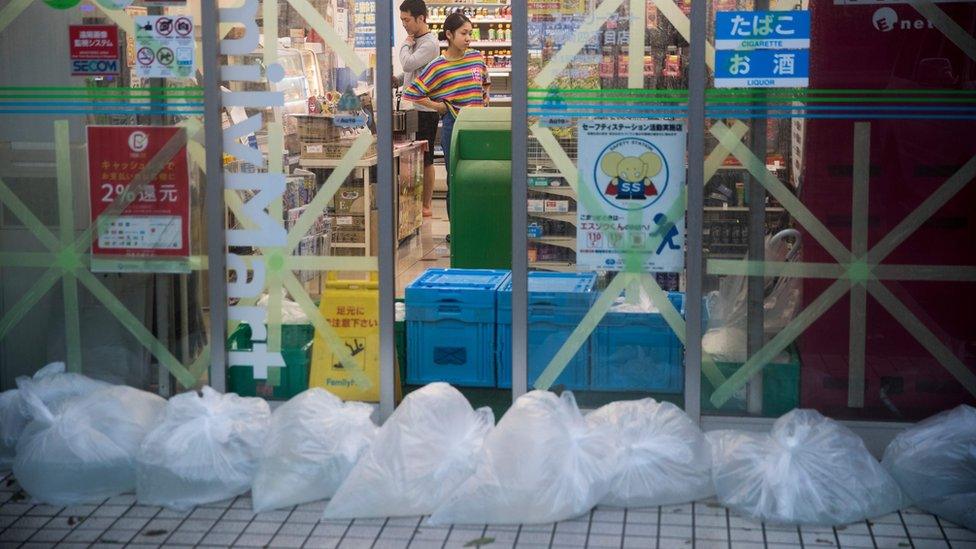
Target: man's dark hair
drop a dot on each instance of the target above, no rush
(415, 8)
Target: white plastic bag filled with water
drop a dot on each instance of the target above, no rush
(53, 386)
(934, 462)
(206, 449)
(542, 464)
(420, 455)
(664, 458)
(85, 451)
(808, 470)
(315, 440)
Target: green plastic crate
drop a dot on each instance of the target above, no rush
(781, 388)
(282, 383)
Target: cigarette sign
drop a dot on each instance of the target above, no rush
(94, 50)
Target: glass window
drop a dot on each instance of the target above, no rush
(102, 241)
(836, 277)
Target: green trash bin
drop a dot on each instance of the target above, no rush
(282, 383)
(481, 189)
(781, 388)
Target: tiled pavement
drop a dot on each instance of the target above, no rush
(705, 525)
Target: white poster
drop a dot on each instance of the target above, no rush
(165, 46)
(632, 177)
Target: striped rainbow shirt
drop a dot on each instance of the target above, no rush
(459, 83)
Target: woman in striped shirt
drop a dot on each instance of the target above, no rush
(456, 79)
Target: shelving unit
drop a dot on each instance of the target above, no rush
(564, 217)
(561, 241)
(486, 44)
(407, 223)
(478, 21)
(557, 266)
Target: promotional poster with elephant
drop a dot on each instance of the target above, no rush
(632, 178)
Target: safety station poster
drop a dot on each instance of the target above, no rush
(155, 226)
(631, 178)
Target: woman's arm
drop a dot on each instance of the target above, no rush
(438, 106)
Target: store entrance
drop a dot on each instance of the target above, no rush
(477, 235)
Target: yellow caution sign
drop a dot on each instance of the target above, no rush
(351, 308)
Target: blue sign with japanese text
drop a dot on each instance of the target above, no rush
(762, 49)
(762, 68)
(743, 30)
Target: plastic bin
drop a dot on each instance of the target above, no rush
(557, 303)
(638, 352)
(781, 388)
(282, 383)
(451, 326)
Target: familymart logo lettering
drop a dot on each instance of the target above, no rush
(249, 274)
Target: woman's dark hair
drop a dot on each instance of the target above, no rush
(415, 8)
(453, 22)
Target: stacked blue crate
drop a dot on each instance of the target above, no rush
(451, 316)
(638, 351)
(557, 304)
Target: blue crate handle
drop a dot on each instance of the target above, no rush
(543, 310)
(451, 308)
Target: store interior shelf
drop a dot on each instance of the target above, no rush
(486, 44)
(486, 20)
(567, 192)
(565, 217)
(558, 266)
(561, 241)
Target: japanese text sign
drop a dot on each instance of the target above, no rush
(762, 49)
(762, 68)
(365, 18)
(156, 224)
(94, 50)
(632, 174)
(743, 30)
(165, 46)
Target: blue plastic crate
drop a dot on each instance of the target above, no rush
(451, 326)
(638, 352)
(557, 304)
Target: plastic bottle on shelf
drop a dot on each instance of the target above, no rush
(492, 34)
(508, 33)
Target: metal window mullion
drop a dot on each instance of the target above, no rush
(695, 210)
(384, 201)
(520, 130)
(214, 196)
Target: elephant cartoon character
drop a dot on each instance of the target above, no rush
(631, 175)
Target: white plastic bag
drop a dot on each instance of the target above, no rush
(85, 452)
(420, 455)
(315, 441)
(664, 458)
(206, 450)
(542, 464)
(53, 387)
(934, 462)
(808, 470)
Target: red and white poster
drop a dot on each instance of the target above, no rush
(94, 50)
(156, 224)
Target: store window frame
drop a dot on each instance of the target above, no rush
(216, 228)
